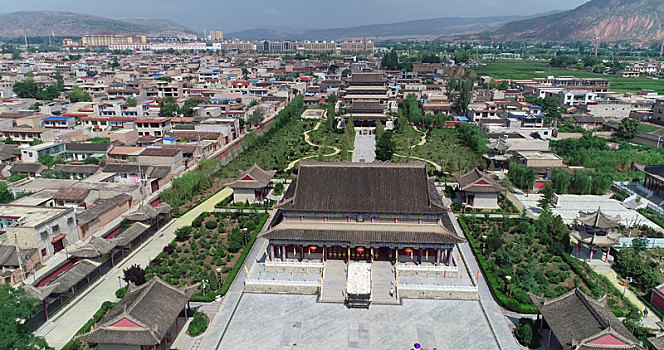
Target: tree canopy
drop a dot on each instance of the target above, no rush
(628, 128)
(77, 94)
(385, 146)
(15, 309)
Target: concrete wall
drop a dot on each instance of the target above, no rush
(280, 289)
(420, 292)
(242, 195)
(485, 201)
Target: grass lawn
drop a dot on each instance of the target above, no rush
(541, 69)
(442, 143)
(648, 127)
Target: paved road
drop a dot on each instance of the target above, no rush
(68, 321)
(365, 146)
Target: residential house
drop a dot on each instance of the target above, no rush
(59, 122)
(97, 216)
(542, 163)
(29, 169)
(76, 172)
(155, 127)
(82, 151)
(32, 154)
(14, 267)
(77, 198)
(48, 229)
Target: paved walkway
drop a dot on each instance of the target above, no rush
(63, 326)
(365, 145)
(493, 312)
(604, 268)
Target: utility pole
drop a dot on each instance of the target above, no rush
(18, 256)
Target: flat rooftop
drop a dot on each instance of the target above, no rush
(32, 216)
(538, 155)
(279, 321)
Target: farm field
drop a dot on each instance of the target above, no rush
(541, 69)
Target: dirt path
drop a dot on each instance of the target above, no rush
(435, 165)
(335, 150)
(423, 140)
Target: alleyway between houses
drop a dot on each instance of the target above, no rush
(63, 326)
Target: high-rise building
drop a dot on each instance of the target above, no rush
(357, 46)
(216, 35)
(112, 39)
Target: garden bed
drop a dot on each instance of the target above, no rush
(214, 241)
(536, 262)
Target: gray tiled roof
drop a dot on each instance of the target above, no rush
(576, 318)
(154, 306)
(65, 281)
(362, 232)
(261, 178)
(363, 188)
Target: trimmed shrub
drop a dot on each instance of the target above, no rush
(211, 225)
(198, 325)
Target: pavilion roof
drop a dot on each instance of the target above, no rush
(580, 322)
(599, 219)
(363, 188)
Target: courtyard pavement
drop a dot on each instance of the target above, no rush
(365, 146)
(271, 321)
(64, 325)
(569, 205)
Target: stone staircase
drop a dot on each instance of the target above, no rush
(383, 278)
(334, 282)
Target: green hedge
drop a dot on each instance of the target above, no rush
(492, 279)
(198, 297)
(105, 307)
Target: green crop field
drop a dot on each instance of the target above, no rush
(541, 69)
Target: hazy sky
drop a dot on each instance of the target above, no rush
(233, 15)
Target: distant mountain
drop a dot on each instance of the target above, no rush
(417, 28)
(608, 19)
(41, 23)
